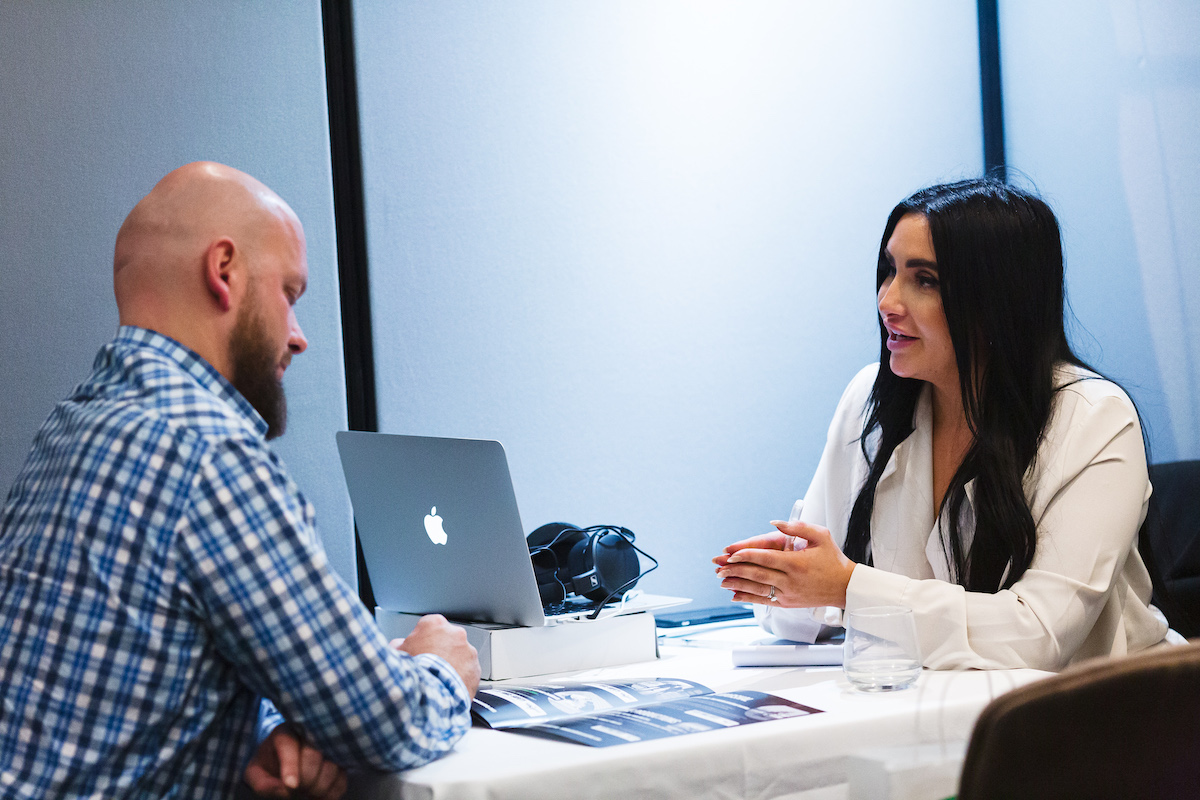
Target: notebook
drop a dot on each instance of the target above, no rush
(440, 530)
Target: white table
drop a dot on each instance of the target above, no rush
(803, 757)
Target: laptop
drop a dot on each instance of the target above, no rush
(440, 531)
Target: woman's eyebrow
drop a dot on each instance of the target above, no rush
(912, 263)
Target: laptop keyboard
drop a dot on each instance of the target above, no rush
(573, 606)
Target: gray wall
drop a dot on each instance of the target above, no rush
(102, 99)
(1102, 108)
(635, 241)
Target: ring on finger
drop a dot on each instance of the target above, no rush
(771, 596)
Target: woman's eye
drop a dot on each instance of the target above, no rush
(927, 281)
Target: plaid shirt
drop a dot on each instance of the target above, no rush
(159, 573)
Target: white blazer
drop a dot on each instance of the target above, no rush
(1087, 592)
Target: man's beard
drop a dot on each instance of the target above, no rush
(254, 365)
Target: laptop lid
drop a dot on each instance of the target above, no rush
(439, 527)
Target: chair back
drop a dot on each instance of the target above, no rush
(1121, 728)
(1169, 543)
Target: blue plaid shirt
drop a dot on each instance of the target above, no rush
(159, 573)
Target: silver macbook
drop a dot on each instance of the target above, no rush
(439, 527)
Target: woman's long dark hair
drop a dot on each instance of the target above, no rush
(1000, 269)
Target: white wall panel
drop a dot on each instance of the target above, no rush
(1102, 109)
(635, 241)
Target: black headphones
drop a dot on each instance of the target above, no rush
(598, 563)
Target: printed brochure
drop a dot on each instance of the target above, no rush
(606, 713)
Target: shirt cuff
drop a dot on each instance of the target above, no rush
(269, 719)
(440, 666)
(875, 587)
(792, 624)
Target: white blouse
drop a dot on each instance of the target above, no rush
(1087, 592)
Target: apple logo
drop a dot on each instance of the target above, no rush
(433, 527)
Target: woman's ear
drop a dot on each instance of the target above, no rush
(218, 271)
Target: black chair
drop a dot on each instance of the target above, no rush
(1122, 728)
(1169, 543)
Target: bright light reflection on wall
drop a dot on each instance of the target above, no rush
(635, 241)
(1102, 105)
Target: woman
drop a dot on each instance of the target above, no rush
(980, 474)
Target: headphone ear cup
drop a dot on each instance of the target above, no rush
(550, 550)
(601, 564)
(581, 577)
(545, 571)
(540, 537)
(616, 565)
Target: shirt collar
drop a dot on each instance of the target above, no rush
(194, 365)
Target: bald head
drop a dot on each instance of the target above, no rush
(187, 210)
(190, 250)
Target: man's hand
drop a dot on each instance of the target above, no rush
(434, 634)
(284, 767)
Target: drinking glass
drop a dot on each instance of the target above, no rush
(881, 650)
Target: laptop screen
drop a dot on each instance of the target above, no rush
(439, 527)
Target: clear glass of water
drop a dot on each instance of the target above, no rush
(882, 654)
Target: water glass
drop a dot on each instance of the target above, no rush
(881, 650)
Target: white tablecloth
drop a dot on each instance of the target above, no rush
(764, 760)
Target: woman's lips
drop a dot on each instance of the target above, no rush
(898, 341)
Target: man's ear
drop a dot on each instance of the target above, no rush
(218, 271)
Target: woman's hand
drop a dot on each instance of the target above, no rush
(768, 541)
(798, 567)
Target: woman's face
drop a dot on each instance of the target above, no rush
(910, 305)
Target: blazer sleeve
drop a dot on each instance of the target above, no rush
(1086, 589)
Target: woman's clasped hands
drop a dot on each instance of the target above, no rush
(798, 566)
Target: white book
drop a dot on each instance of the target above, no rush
(507, 651)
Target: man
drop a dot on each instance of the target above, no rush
(159, 570)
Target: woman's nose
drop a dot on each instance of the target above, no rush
(889, 299)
